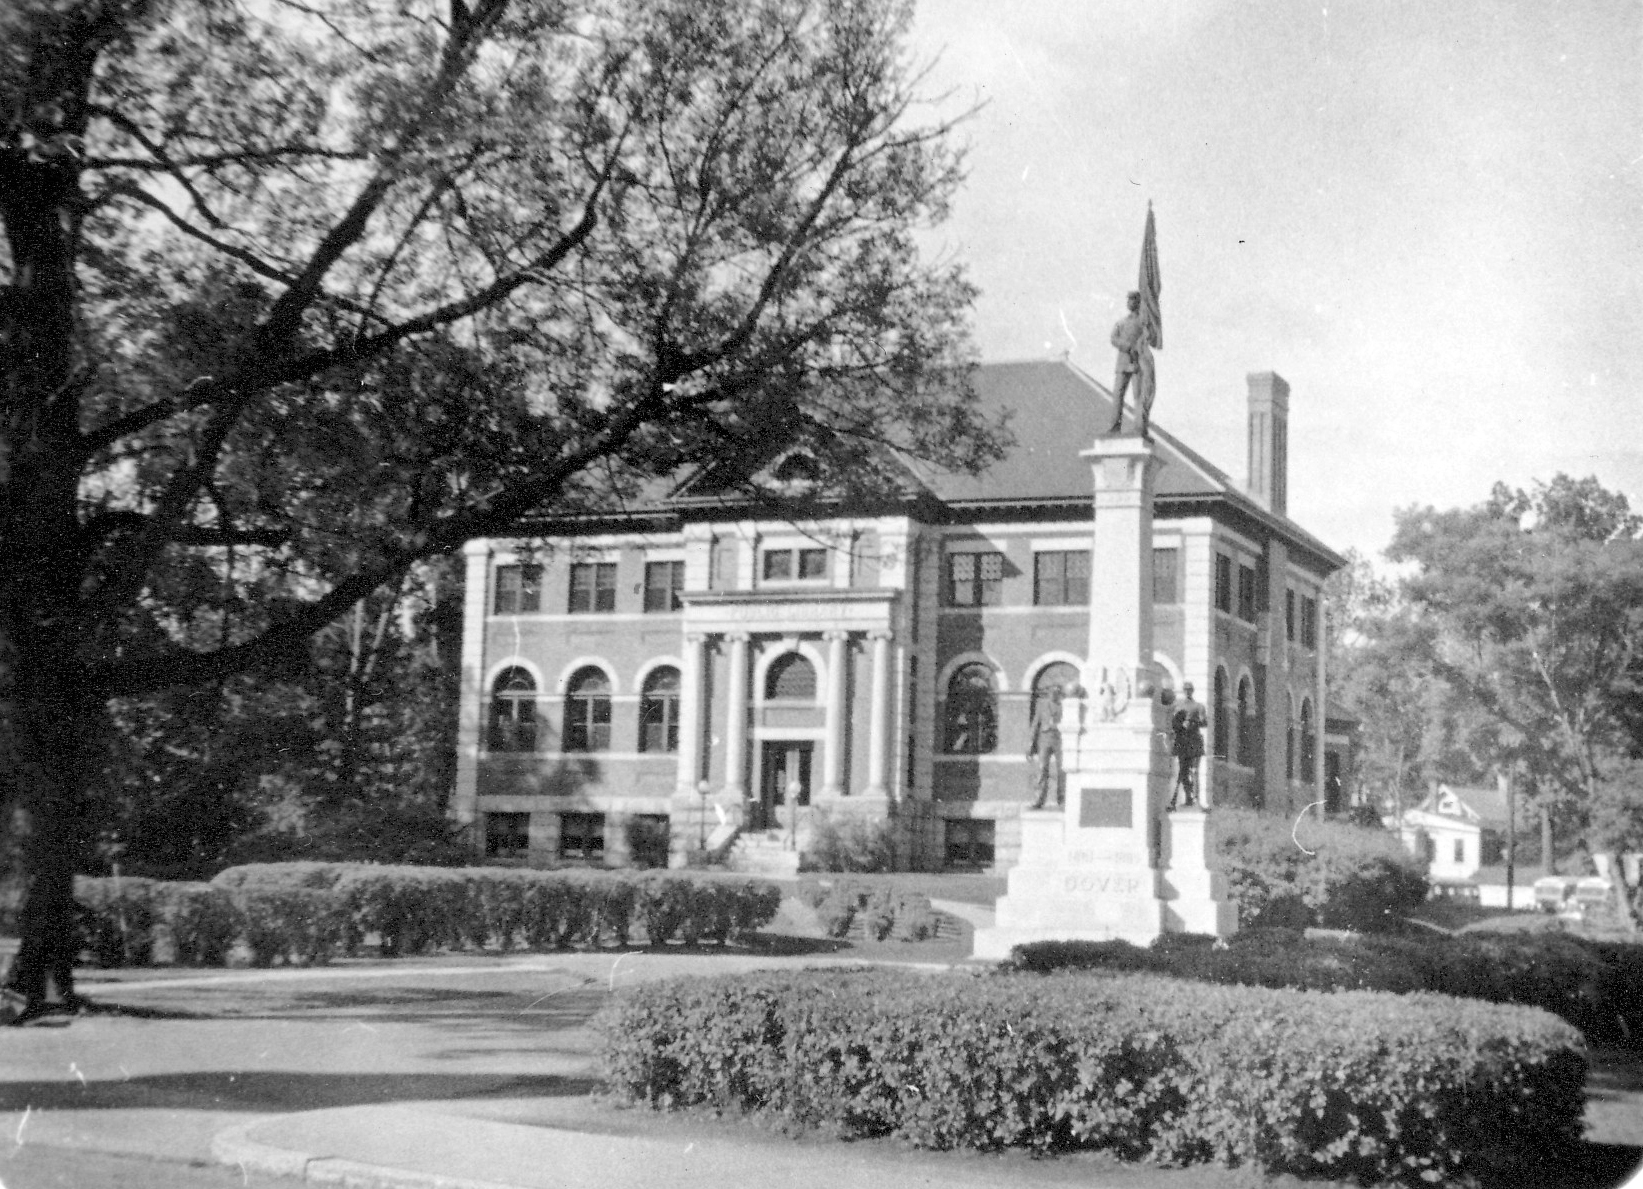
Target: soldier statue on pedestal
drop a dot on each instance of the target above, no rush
(1187, 725)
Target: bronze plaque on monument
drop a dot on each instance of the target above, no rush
(1104, 807)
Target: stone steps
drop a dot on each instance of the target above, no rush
(763, 853)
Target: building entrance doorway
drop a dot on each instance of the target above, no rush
(781, 763)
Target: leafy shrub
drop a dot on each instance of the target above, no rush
(305, 874)
(300, 926)
(116, 919)
(410, 909)
(202, 920)
(1356, 1086)
(854, 843)
(1597, 988)
(1353, 878)
(881, 909)
(306, 912)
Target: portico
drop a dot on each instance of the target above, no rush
(769, 676)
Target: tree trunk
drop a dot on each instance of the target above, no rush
(1548, 860)
(43, 627)
(55, 728)
(1623, 890)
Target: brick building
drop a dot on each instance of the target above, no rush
(655, 683)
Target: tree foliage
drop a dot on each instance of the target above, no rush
(294, 295)
(1533, 602)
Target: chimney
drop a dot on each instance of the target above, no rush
(1268, 483)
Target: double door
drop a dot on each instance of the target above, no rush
(784, 767)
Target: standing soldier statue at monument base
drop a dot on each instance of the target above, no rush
(1044, 747)
(1187, 725)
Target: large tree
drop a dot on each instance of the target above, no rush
(297, 293)
(1414, 728)
(1535, 601)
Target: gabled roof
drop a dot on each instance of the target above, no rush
(1482, 805)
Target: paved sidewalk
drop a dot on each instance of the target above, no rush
(433, 1146)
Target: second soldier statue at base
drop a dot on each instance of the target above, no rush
(1187, 725)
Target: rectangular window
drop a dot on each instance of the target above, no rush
(1460, 850)
(1289, 616)
(969, 843)
(1061, 579)
(592, 587)
(1165, 585)
(507, 835)
(1223, 583)
(518, 589)
(1309, 622)
(648, 839)
(663, 582)
(582, 836)
(1246, 594)
(975, 579)
(784, 565)
(812, 563)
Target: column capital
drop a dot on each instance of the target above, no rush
(738, 637)
(835, 635)
(695, 639)
(881, 634)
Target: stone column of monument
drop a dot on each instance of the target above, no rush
(1096, 868)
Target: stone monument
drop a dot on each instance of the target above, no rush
(1113, 862)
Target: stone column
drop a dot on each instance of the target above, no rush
(878, 724)
(736, 719)
(833, 723)
(690, 715)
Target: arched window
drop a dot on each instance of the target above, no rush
(1246, 723)
(513, 711)
(1219, 726)
(972, 711)
(790, 678)
(587, 711)
(659, 711)
(1058, 675)
(1289, 736)
(1309, 754)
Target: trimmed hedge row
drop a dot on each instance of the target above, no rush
(1341, 877)
(308, 912)
(1596, 987)
(1355, 1085)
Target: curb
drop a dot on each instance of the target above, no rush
(234, 1146)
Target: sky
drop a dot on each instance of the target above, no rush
(1427, 217)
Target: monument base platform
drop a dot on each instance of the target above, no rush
(1074, 885)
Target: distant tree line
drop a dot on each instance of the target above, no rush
(1509, 641)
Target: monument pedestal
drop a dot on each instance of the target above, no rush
(1195, 893)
